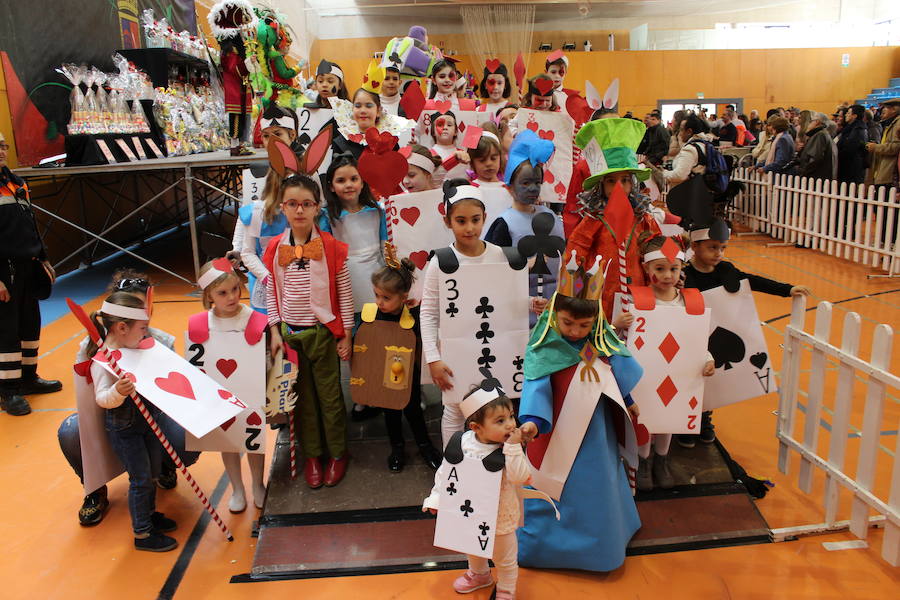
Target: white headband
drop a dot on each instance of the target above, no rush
(207, 278)
(477, 400)
(420, 161)
(490, 135)
(700, 235)
(653, 255)
(334, 70)
(286, 122)
(125, 312)
(465, 191)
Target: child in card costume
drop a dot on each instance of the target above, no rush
(578, 377)
(310, 308)
(218, 331)
(614, 213)
(387, 359)
(495, 87)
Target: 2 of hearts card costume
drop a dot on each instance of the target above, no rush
(576, 393)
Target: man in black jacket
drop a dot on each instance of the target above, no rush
(818, 158)
(21, 253)
(655, 144)
(851, 145)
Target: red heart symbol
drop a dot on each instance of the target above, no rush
(548, 177)
(356, 137)
(443, 106)
(379, 143)
(226, 366)
(546, 135)
(544, 86)
(559, 188)
(131, 377)
(225, 394)
(148, 342)
(492, 65)
(383, 172)
(641, 433)
(442, 209)
(410, 214)
(254, 419)
(176, 384)
(227, 424)
(533, 126)
(419, 258)
(375, 84)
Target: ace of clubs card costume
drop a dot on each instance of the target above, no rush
(738, 347)
(668, 342)
(236, 360)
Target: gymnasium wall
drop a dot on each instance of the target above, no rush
(810, 78)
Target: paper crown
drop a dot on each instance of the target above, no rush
(609, 146)
(577, 282)
(329, 68)
(373, 78)
(540, 85)
(487, 391)
(219, 267)
(527, 146)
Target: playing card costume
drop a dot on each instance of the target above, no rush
(609, 225)
(585, 456)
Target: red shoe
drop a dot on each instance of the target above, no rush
(335, 470)
(312, 471)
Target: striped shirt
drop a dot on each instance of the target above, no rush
(295, 300)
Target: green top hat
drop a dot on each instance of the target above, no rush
(609, 145)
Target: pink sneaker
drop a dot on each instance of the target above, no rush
(471, 581)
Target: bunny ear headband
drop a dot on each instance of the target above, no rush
(283, 160)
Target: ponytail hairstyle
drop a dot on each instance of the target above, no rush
(271, 196)
(104, 322)
(334, 208)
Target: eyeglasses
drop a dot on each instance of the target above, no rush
(294, 206)
(4, 146)
(129, 284)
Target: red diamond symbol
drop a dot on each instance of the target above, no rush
(693, 403)
(666, 390)
(639, 343)
(669, 347)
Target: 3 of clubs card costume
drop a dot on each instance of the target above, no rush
(586, 454)
(478, 308)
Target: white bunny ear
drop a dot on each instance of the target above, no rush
(611, 98)
(592, 95)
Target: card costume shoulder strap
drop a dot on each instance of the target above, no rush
(447, 260)
(730, 276)
(245, 214)
(83, 369)
(495, 461)
(198, 327)
(515, 259)
(643, 297)
(256, 327)
(407, 321)
(369, 311)
(453, 453)
(693, 301)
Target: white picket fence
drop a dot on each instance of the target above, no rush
(851, 369)
(854, 222)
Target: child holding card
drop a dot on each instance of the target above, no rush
(391, 285)
(222, 299)
(310, 308)
(662, 259)
(490, 425)
(422, 163)
(706, 270)
(122, 323)
(540, 95)
(464, 216)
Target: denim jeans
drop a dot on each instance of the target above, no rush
(137, 447)
(70, 443)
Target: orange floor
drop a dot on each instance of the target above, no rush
(48, 555)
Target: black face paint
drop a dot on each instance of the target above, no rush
(527, 183)
(334, 90)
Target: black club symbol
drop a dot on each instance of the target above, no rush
(517, 363)
(486, 358)
(452, 489)
(485, 334)
(394, 58)
(484, 307)
(466, 508)
(542, 243)
(452, 310)
(484, 527)
(490, 383)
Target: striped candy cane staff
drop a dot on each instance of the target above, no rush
(83, 318)
(623, 277)
(293, 445)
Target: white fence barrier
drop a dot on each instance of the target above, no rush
(850, 369)
(854, 222)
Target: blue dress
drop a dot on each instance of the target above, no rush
(598, 515)
(267, 231)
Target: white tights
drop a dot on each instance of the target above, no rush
(506, 549)
(660, 443)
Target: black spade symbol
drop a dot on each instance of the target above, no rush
(727, 347)
(303, 140)
(759, 359)
(542, 243)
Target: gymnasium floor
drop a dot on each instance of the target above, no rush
(48, 555)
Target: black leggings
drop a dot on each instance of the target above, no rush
(414, 416)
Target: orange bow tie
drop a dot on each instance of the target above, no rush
(311, 250)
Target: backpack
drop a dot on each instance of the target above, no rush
(717, 171)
